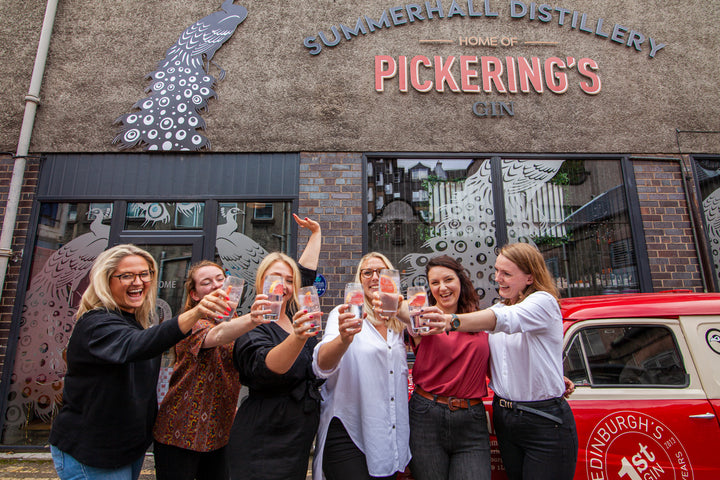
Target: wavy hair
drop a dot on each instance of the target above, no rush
(265, 266)
(468, 300)
(98, 293)
(393, 323)
(530, 261)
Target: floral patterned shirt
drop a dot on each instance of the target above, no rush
(198, 409)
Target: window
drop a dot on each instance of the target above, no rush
(164, 216)
(263, 211)
(574, 210)
(707, 172)
(621, 355)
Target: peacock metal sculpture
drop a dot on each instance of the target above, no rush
(181, 86)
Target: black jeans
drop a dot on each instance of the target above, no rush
(342, 459)
(175, 463)
(535, 447)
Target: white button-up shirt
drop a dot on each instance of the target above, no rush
(526, 349)
(368, 392)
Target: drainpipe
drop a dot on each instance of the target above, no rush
(32, 99)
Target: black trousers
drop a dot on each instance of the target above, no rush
(533, 446)
(174, 463)
(342, 459)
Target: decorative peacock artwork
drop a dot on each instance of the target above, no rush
(180, 88)
(466, 228)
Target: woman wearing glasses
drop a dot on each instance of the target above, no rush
(113, 358)
(364, 427)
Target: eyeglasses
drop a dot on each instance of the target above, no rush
(369, 272)
(128, 278)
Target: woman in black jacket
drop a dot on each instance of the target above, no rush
(109, 397)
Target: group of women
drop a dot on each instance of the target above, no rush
(347, 392)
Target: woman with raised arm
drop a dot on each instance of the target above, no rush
(534, 424)
(363, 430)
(109, 405)
(193, 426)
(275, 425)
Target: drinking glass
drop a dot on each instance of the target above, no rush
(355, 298)
(417, 300)
(234, 288)
(389, 291)
(309, 301)
(274, 288)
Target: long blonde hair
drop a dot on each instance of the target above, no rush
(393, 323)
(265, 266)
(530, 261)
(98, 294)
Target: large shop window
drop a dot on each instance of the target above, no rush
(69, 238)
(574, 210)
(708, 178)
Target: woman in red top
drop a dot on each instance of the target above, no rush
(449, 436)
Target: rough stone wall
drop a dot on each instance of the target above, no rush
(20, 235)
(667, 225)
(331, 193)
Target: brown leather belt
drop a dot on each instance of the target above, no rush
(451, 402)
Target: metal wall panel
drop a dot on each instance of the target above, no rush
(169, 176)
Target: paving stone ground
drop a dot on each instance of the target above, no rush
(39, 466)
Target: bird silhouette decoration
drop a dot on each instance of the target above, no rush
(240, 254)
(466, 227)
(711, 207)
(181, 86)
(47, 320)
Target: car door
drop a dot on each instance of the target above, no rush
(640, 406)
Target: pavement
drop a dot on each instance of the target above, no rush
(39, 466)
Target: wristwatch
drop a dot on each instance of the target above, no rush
(454, 323)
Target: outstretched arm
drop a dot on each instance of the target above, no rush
(310, 257)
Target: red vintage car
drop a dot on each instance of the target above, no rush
(647, 374)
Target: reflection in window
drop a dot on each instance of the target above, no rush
(625, 355)
(68, 240)
(575, 211)
(243, 240)
(708, 177)
(164, 216)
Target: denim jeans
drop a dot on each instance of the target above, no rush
(68, 468)
(446, 444)
(535, 447)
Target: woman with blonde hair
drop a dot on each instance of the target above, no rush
(113, 358)
(275, 425)
(364, 425)
(193, 426)
(534, 424)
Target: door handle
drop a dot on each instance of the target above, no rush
(703, 415)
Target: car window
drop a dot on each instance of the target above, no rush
(637, 355)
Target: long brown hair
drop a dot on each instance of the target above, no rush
(530, 261)
(190, 282)
(468, 300)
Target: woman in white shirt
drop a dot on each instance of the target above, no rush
(364, 427)
(534, 424)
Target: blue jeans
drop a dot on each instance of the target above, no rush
(68, 468)
(448, 445)
(533, 446)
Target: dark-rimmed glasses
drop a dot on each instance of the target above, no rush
(128, 278)
(369, 272)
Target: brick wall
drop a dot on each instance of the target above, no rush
(331, 193)
(30, 180)
(666, 221)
